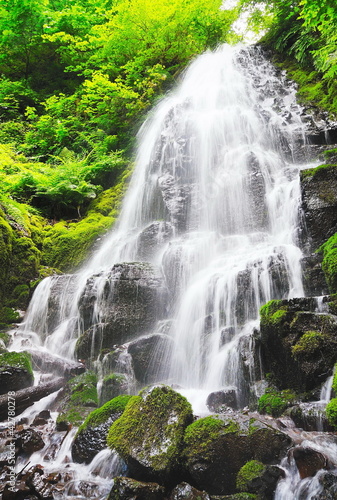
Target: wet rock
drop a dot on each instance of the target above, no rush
(216, 401)
(128, 489)
(42, 418)
(151, 357)
(314, 282)
(177, 199)
(185, 491)
(308, 461)
(149, 434)
(131, 300)
(59, 286)
(152, 238)
(113, 385)
(39, 484)
(19, 491)
(91, 437)
(328, 480)
(298, 344)
(319, 203)
(15, 371)
(29, 440)
(217, 447)
(310, 417)
(259, 479)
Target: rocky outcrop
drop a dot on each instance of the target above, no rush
(216, 448)
(319, 203)
(149, 435)
(130, 299)
(298, 343)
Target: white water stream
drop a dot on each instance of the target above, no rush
(217, 165)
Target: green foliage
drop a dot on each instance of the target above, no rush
(329, 264)
(20, 360)
(331, 412)
(250, 471)
(275, 403)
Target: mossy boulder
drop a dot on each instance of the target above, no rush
(185, 491)
(319, 202)
(298, 344)
(77, 400)
(256, 478)
(217, 447)
(15, 371)
(149, 435)
(275, 402)
(91, 435)
(329, 264)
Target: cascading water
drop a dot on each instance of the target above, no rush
(216, 187)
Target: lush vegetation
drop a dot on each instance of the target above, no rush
(76, 78)
(304, 35)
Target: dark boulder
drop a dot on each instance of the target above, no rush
(217, 401)
(151, 357)
(129, 489)
(259, 479)
(216, 448)
(298, 344)
(29, 440)
(132, 298)
(308, 461)
(314, 282)
(15, 371)
(112, 386)
(328, 480)
(91, 436)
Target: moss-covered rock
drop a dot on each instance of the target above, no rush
(149, 434)
(329, 264)
(77, 400)
(15, 371)
(91, 435)
(275, 402)
(298, 344)
(257, 478)
(217, 447)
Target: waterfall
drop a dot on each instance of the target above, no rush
(216, 184)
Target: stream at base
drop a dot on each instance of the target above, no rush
(209, 230)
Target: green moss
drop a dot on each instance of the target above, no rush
(331, 412)
(315, 172)
(308, 344)
(80, 397)
(20, 360)
(147, 429)
(202, 433)
(8, 316)
(329, 263)
(275, 403)
(251, 470)
(102, 414)
(273, 312)
(66, 244)
(5, 337)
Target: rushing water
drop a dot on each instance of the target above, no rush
(216, 177)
